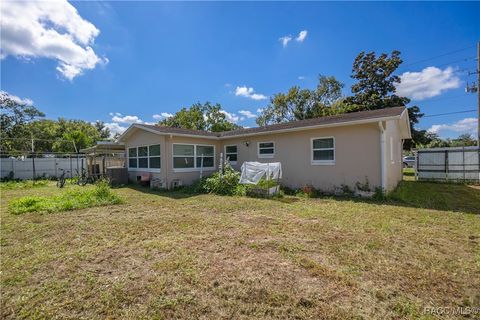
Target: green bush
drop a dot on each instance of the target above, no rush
(75, 198)
(222, 184)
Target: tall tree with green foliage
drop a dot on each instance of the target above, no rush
(299, 104)
(207, 117)
(376, 89)
(376, 81)
(21, 122)
(15, 116)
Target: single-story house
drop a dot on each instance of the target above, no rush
(325, 152)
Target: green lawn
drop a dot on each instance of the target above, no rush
(173, 255)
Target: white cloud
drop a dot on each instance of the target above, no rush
(115, 128)
(247, 114)
(467, 125)
(162, 115)
(49, 29)
(249, 93)
(118, 118)
(285, 40)
(301, 36)
(429, 82)
(18, 100)
(301, 77)
(259, 110)
(232, 117)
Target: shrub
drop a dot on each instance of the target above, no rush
(379, 194)
(307, 191)
(75, 198)
(363, 186)
(223, 184)
(346, 190)
(287, 190)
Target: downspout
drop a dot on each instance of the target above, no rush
(383, 164)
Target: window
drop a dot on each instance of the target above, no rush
(205, 155)
(191, 156)
(323, 150)
(144, 157)
(183, 156)
(132, 157)
(266, 149)
(231, 154)
(154, 156)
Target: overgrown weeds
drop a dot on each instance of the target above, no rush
(22, 184)
(75, 198)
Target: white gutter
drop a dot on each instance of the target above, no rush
(383, 163)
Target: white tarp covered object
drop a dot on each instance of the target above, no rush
(252, 172)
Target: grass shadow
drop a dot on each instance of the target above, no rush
(430, 195)
(174, 194)
(414, 194)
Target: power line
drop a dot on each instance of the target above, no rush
(463, 95)
(448, 113)
(455, 61)
(436, 57)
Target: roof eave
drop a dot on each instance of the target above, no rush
(139, 126)
(317, 126)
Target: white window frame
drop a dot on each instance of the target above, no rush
(155, 170)
(195, 168)
(263, 155)
(226, 154)
(322, 162)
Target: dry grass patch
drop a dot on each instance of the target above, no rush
(172, 255)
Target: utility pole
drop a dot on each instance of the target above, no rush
(478, 94)
(476, 88)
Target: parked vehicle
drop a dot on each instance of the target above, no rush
(409, 161)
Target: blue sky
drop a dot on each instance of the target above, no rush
(121, 62)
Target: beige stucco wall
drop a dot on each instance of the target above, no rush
(357, 155)
(167, 173)
(393, 154)
(143, 138)
(188, 177)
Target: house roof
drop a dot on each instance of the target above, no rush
(337, 120)
(370, 116)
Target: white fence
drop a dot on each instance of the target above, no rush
(44, 167)
(448, 164)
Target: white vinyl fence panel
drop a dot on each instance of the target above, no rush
(44, 167)
(449, 164)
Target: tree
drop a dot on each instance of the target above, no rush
(464, 140)
(376, 87)
(14, 117)
(199, 116)
(102, 129)
(299, 104)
